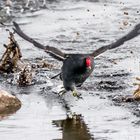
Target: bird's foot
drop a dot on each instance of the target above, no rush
(75, 94)
(62, 92)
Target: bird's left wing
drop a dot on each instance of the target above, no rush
(135, 32)
(54, 52)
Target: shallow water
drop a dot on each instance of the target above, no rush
(78, 26)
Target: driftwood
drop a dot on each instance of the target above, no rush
(11, 56)
(136, 93)
(25, 76)
(11, 62)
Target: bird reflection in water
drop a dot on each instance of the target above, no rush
(74, 128)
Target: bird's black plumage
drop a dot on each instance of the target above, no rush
(74, 70)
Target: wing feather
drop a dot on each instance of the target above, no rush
(54, 52)
(135, 32)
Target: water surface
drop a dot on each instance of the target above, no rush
(78, 26)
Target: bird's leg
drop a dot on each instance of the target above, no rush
(75, 94)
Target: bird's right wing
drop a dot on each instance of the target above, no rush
(54, 52)
(135, 32)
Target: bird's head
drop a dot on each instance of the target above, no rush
(88, 63)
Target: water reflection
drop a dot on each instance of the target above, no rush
(73, 128)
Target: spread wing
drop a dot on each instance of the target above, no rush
(135, 32)
(54, 52)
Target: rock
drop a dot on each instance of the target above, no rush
(8, 103)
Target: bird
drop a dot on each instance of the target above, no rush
(76, 68)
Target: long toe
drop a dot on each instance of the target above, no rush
(79, 96)
(62, 92)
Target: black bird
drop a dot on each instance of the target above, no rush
(76, 67)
